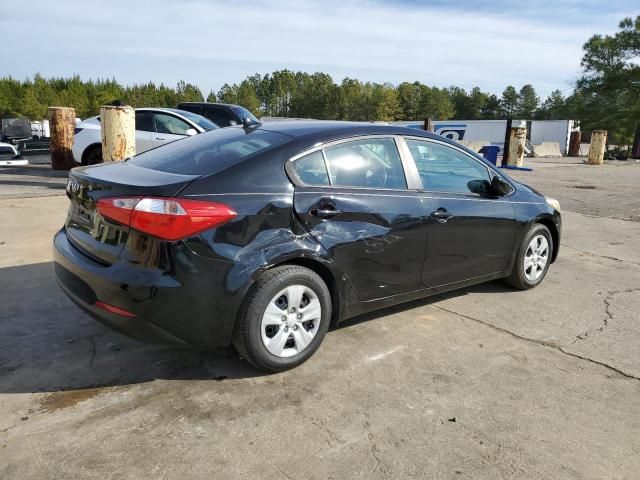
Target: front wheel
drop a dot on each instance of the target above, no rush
(284, 318)
(533, 260)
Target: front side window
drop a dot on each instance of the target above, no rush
(169, 124)
(370, 163)
(445, 169)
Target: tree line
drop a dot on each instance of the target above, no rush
(284, 94)
(606, 95)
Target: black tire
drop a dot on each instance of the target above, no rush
(518, 279)
(247, 338)
(93, 155)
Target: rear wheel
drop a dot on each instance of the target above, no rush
(284, 318)
(93, 155)
(533, 260)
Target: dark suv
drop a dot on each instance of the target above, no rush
(222, 114)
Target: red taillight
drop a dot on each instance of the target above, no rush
(116, 310)
(167, 218)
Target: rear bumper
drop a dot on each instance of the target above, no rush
(166, 311)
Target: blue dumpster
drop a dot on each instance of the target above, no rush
(490, 152)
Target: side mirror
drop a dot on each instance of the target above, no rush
(499, 187)
(191, 132)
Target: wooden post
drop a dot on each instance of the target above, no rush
(62, 122)
(596, 149)
(428, 125)
(507, 138)
(517, 141)
(118, 126)
(574, 144)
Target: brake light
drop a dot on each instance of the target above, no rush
(166, 218)
(116, 310)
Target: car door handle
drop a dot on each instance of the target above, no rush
(324, 212)
(160, 138)
(441, 215)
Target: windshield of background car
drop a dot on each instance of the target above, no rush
(209, 153)
(244, 113)
(201, 121)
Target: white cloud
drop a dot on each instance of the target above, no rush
(209, 42)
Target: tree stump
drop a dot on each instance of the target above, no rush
(62, 122)
(574, 144)
(118, 126)
(596, 149)
(517, 142)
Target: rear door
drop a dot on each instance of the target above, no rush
(144, 130)
(471, 233)
(352, 196)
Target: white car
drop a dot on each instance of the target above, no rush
(154, 127)
(9, 156)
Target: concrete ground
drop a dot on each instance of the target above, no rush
(483, 383)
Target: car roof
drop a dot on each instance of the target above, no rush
(227, 105)
(163, 109)
(328, 128)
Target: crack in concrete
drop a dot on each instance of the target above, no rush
(374, 451)
(543, 343)
(606, 257)
(93, 350)
(608, 314)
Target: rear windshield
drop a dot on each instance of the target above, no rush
(209, 152)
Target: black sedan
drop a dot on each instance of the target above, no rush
(266, 236)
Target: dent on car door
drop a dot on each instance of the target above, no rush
(353, 198)
(471, 232)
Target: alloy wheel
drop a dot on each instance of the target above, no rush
(536, 258)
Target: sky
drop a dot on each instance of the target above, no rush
(484, 43)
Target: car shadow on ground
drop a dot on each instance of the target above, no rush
(49, 345)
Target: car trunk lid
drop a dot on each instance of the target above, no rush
(100, 238)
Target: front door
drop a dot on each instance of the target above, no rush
(353, 198)
(471, 233)
(168, 129)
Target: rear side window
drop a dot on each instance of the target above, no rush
(370, 163)
(311, 170)
(191, 108)
(209, 152)
(144, 121)
(220, 116)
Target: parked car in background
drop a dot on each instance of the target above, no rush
(9, 156)
(154, 127)
(222, 114)
(264, 236)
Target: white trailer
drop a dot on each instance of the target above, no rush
(493, 131)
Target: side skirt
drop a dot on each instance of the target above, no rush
(359, 308)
